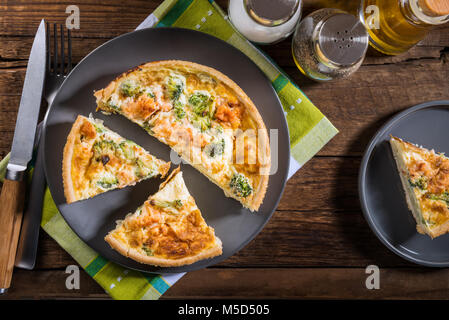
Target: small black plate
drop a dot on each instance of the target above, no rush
(381, 193)
(92, 219)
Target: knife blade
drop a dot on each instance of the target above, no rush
(25, 131)
(13, 190)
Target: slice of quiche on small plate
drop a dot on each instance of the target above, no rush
(167, 230)
(97, 160)
(425, 179)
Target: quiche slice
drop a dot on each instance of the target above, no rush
(203, 116)
(425, 178)
(97, 160)
(167, 230)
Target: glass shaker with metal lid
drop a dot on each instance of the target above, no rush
(265, 21)
(329, 44)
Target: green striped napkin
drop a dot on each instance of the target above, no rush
(309, 132)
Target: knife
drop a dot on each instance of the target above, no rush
(32, 215)
(13, 190)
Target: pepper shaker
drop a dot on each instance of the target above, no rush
(329, 44)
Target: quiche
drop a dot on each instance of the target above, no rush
(97, 160)
(167, 230)
(203, 116)
(425, 178)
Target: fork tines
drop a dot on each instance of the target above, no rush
(56, 58)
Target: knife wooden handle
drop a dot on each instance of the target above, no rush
(11, 209)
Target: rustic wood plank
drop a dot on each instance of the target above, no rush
(115, 17)
(50, 284)
(361, 104)
(100, 20)
(219, 283)
(15, 51)
(311, 283)
(281, 53)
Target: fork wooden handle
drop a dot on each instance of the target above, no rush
(11, 209)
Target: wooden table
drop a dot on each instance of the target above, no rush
(317, 245)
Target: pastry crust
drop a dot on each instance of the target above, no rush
(162, 262)
(259, 190)
(69, 191)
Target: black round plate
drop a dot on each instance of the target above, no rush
(381, 193)
(92, 219)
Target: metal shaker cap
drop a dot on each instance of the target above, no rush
(342, 39)
(271, 13)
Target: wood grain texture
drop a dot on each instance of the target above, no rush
(222, 283)
(11, 210)
(317, 244)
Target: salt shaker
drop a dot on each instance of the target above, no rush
(265, 21)
(329, 44)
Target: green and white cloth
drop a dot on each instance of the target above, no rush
(309, 132)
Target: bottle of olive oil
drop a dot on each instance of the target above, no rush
(394, 26)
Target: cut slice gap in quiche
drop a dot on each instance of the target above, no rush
(97, 160)
(167, 230)
(425, 179)
(202, 115)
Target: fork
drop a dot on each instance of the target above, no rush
(57, 71)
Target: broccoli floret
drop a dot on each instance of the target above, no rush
(111, 105)
(166, 204)
(201, 103)
(203, 123)
(149, 93)
(174, 87)
(215, 148)
(418, 183)
(103, 147)
(127, 148)
(148, 127)
(177, 204)
(142, 170)
(148, 251)
(219, 128)
(107, 182)
(129, 88)
(444, 197)
(99, 127)
(240, 185)
(179, 110)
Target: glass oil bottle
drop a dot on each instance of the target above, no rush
(394, 26)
